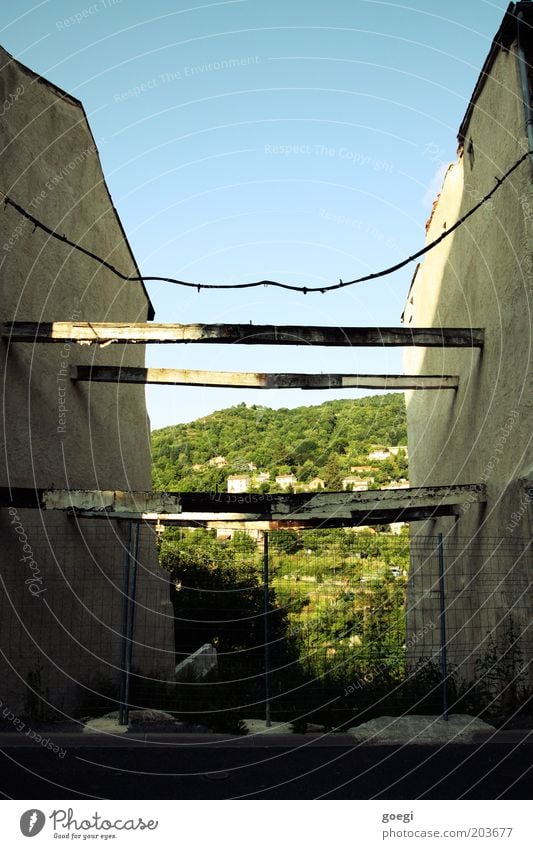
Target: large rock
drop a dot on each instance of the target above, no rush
(145, 720)
(420, 730)
(258, 726)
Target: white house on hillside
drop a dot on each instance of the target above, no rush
(239, 483)
(285, 481)
(354, 483)
(379, 454)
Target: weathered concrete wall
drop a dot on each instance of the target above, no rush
(57, 433)
(480, 277)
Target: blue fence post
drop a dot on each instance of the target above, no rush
(443, 657)
(266, 604)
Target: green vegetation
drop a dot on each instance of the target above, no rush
(324, 441)
(336, 634)
(344, 593)
(336, 601)
(336, 630)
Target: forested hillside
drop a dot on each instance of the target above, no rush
(323, 441)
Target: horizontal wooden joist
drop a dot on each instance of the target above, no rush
(363, 519)
(95, 500)
(251, 380)
(323, 509)
(103, 333)
(368, 507)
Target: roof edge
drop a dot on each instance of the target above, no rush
(38, 78)
(503, 40)
(75, 102)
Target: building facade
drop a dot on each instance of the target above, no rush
(480, 276)
(62, 600)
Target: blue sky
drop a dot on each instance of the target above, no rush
(243, 140)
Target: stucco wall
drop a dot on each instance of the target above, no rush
(57, 433)
(480, 277)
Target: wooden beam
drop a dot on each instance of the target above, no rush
(103, 333)
(323, 509)
(244, 522)
(366, 518)
(329, 505)
(250, 380)
(96, 500)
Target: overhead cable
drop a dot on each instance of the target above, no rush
(8, 201)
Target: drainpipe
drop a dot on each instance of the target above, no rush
(523, 69)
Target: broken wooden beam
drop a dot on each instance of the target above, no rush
(104, 333)
(329, 505)
(96, 500)
(252, 380)
(362, 520)
(323, 509)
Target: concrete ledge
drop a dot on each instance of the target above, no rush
(421, 730)
(259, 741)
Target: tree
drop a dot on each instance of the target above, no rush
(243, 542)
(305, 450)
(333, 474)
(307, 471)
(287, 542)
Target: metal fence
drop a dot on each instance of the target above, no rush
(337, 626)
(324, 626)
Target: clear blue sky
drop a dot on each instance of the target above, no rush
(242, 140)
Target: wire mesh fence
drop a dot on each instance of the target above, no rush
(326, 626)
(337, 626)
(344, 594)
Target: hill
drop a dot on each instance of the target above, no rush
(323, 441)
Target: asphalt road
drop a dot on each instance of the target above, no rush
(304, 769)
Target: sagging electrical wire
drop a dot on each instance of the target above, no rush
(293, 288)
